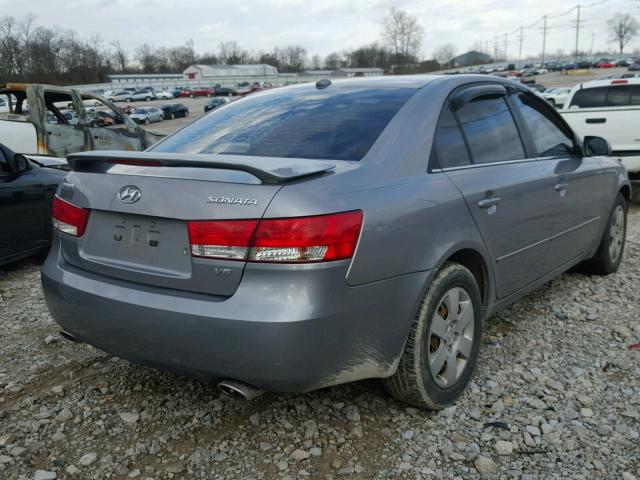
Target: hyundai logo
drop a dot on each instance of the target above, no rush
(129, 194)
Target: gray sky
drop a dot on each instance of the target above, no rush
(323, 26)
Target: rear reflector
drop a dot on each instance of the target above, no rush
(321, 238)
(69, 218)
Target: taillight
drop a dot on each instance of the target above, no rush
(69, 218)
(321, 238)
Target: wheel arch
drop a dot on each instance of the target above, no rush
(476, 263)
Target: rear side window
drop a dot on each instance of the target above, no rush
(550, 136)
(618, 96)
(334, 123)
(590, 98)
(449, 149)
(635, 94)
(490, 131)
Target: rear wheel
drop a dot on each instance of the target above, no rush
(146, 121)
(442, 348)
(609, 254)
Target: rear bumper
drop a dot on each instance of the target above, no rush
(285, 329)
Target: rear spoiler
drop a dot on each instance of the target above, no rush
(267, 169)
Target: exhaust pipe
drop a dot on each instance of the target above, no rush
(237, 390)
(68, 336)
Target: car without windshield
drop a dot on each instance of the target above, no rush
(323, 233)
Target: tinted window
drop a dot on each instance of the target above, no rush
(490, 131)
(635, 94)
(590, 98)
(550, 136)
(335, 123)
(618, 96)
(448, 144)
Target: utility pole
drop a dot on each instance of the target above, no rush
(495, 47)
(577, 22)
(521, 39)
(544, 38)
(505, 46)
(593, 39)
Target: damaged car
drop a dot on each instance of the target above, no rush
(325, 233)
(38, 121)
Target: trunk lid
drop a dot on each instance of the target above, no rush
(145, 239)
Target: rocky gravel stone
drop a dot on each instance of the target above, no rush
(555, 395)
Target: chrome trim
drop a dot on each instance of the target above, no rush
(504, 162)
(552, 237)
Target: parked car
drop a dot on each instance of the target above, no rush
(27, 188)
(213, 103)
(608, 108)
(623, 62)
(198, 92)
(29, 132)
(139, 95)
(174, 110)
(316, 244)
(119, 96)
(164, 95)
(605, 64)
(583, 64)
(635, 66)
(569, 66)
(221, 91)
(556, 96)
(147, 115)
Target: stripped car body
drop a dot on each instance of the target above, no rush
(36, 122)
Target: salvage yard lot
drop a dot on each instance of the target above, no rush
(556, 394)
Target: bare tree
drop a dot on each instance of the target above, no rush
(444, 53)
(403, 34)
(316, 62)
(623, 27)
(334, 60)
(232, 54)
(120, 55)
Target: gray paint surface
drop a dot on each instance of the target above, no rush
(299, 327)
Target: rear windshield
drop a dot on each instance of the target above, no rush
(339, 124)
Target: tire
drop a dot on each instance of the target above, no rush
(128, 100)
(146, 121)
(552, 102)
(209, 95)
(147, 99)
(608, 257)
(414, 382)
(229, 94)
(173, 116)
(192, 96)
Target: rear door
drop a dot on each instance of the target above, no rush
(508, 194)
(579, 190)
(123, 135)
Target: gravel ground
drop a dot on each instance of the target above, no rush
(556, 395)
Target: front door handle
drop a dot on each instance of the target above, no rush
(489, 202)
(596, 120)
(560, 187)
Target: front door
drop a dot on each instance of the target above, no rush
(579, 191)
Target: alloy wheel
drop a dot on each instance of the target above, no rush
(450, 339)
(616, 233)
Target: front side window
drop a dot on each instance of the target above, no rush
(449, 149)
(334, 123)
(490, 131)
(550, 136)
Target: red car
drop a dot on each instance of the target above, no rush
(605, 64)
(197, 92)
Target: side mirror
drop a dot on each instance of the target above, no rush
(594, 146)
(20, 163)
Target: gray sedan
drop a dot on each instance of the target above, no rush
(147, 115)
(319, 234)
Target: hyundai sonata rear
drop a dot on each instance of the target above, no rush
(319, 234)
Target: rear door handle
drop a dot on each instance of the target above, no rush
(596, 120)
(560, 187)
(489, 202)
